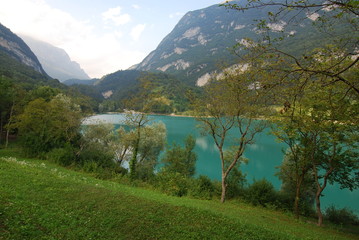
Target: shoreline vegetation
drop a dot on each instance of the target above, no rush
(156, 114)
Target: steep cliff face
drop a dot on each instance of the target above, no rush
(199, 43)
(55, 61)
(15, 47)
(202, 41)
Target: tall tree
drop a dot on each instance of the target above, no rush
(137, 121)
(317, 84)
(228, 112)
(140, 151)
(153, 141)
(325, 126)
(296, 176)
(6, 102)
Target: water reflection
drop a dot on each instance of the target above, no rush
(202, 143)
(264, 156)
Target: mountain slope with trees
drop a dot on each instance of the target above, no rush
(160, 92)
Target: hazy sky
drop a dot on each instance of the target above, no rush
(102, 35)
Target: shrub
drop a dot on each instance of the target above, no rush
(173, 184)
(181, 159)
(341, 216)
(145, 173)
(63, 156)
(236, 181)
(101, 158)
(261, 193)
(202, 188)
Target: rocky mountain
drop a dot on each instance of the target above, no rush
(19, 64)
(55, 61)
(13, 46)
(202, 41)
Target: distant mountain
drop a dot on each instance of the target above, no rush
(163, 92)
(19, 64)
(202, 41)
(199, 43)
(118, 80)
(16, 48)
(55, 61)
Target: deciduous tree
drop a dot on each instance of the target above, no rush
(337, 20)
(46, 125)
(181, 160)
(324, 125)
(229, 112)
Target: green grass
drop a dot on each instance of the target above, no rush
(40, 200)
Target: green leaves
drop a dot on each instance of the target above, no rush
(46, 125)
(181, 160)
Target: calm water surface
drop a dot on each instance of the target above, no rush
(264, 156)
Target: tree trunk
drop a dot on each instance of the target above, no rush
(1, 127)
(317, 204)
(296, 203)
(8, 125)
(224, 187)
(133, 161)
(297, 197)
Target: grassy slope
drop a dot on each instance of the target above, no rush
(40, 200)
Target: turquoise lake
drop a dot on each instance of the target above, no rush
(264, 156)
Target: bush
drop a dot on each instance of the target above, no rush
(261, 193)
(94, 156)
(202, 188)
(181, 159)
(100, 163)
(173, 184)
(285, 201)
(145, 173)
(63, 156)
(236, 181)
(341, 216)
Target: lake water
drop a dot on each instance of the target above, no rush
(264, 156)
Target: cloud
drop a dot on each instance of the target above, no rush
(103, 55)
(202, 143)
(135, 6)
(114, 15)
(137, 31)
(98, 52)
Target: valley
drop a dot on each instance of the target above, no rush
(268, 148)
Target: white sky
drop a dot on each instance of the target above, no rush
(103, 36)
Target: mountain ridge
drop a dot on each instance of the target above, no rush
(56, 62)
(197, 44)
(16, 48)
(202, 43)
